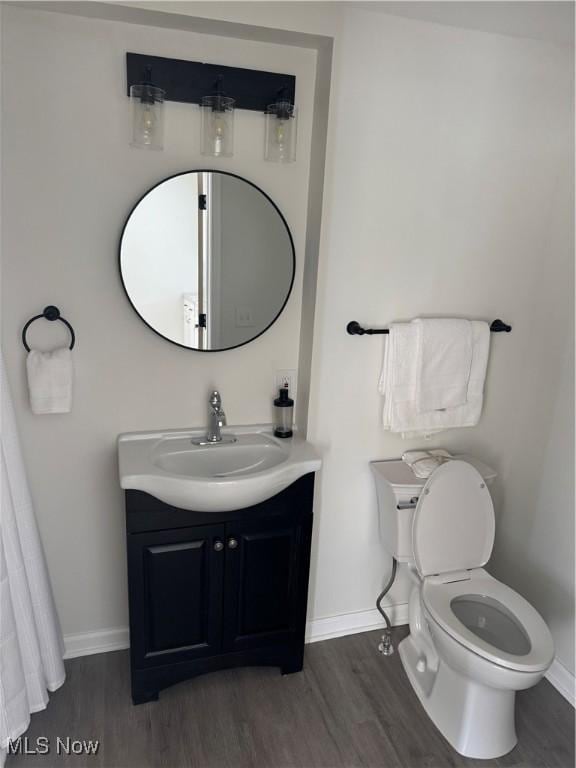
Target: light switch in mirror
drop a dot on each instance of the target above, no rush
(207, 260)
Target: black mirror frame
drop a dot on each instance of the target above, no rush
(273, 204)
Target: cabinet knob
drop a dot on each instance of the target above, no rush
(218, 545)
(232, 543)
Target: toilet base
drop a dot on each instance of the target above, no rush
(478, 721)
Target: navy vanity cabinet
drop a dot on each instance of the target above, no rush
(266, 581)
(214, 590)
(175, 594)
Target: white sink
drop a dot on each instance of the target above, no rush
(213, 478)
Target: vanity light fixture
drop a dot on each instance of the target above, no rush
(217, 137)
(147, 113)
(280, 133)
(193, 82)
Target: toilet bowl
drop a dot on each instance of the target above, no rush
(473, 641)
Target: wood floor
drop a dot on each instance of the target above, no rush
(349, 707)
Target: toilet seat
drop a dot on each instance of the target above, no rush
(438, 600)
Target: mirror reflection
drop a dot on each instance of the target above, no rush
(207, 260)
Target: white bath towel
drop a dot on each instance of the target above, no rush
(398, 384)
(444, 360)
(50, 377)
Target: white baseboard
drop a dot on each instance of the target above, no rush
(351, 623)
(105, 640)
(117, 639)
(563, 681)
(100, 641)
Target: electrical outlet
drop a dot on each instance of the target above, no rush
(286, 377)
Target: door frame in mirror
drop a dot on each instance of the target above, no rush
(278, 211)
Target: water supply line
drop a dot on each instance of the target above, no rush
(385, 646)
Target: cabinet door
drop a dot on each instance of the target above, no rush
(266, 581)
(175, 582)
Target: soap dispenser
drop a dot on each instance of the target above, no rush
(283, 414)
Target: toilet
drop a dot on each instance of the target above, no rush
(473, 641)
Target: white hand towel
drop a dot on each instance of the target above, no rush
(398, 384)
(423, 463)
(444, 360)
(50, 377)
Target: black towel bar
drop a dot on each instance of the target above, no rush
(49, 313)
(355, 329)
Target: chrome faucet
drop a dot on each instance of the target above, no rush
(216, 420)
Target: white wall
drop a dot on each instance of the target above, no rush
(537, 555)
(69, 180)
(445, 152)
(535, 546)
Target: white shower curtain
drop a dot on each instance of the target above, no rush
(31, 646)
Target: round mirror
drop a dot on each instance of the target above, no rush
(207, 260)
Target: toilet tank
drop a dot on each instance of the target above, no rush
(398, 489)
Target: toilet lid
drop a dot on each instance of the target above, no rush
(453, 528)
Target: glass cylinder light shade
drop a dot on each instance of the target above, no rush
(217, 126)
(280, 135)
(147, 116)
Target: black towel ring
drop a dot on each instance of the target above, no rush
(49, 313)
